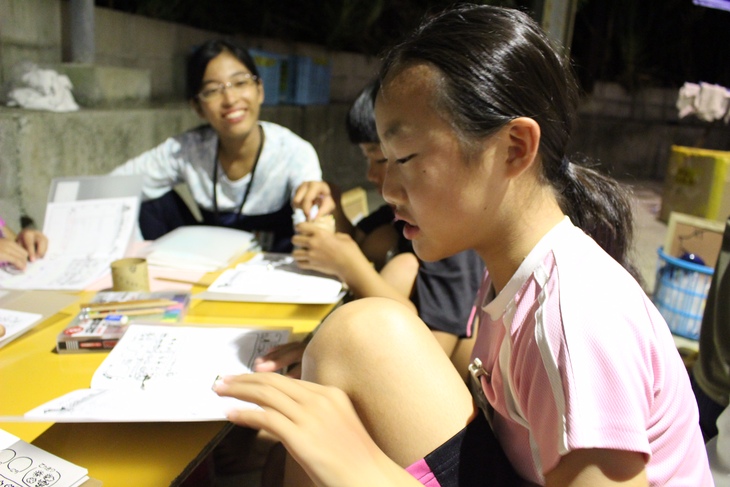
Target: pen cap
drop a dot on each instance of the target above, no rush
(298, 217)
(130, 274)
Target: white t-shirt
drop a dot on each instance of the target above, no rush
(286, 161)
(580, 358)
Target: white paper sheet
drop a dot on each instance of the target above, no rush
(163, 373)
(273, 278)
(16, 323)
(84, 237)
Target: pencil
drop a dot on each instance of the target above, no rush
(184, 281)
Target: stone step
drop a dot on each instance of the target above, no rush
(107, 86)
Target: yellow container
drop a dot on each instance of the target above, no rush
(697, 183)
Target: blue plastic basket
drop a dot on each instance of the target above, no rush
(680, 294)
(306, 80)
(269, 67)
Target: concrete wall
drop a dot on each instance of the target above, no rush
(38, 31)
(630, 135)
(134, 41)
(30, 30)
(35, 146)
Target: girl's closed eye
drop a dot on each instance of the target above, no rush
(403, 160)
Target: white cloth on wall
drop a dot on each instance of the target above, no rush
(41, 89)
(688, 93)
(707, 101)
(712, 102)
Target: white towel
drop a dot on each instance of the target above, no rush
(686, 101)
(712, 102)
(41, 89)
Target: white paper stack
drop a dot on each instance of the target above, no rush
(199, 247)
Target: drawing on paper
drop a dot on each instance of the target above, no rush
(39, 476)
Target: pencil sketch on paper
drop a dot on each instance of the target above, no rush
(15, 323)
(76, 257)
(24, 465)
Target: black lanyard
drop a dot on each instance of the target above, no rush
(250, 183)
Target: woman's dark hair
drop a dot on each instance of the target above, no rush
(202, 54)
(360, 121)
(497, 65)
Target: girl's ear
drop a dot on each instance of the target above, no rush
(195, 105)
(523, 138)
(261, 91)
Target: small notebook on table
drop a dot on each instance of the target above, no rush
(22, 464)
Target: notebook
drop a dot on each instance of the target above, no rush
(199, 247)
(24, 464)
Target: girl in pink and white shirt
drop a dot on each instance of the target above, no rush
(576, 370)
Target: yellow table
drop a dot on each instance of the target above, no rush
(122, 454)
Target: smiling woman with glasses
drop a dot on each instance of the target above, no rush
(242, 172)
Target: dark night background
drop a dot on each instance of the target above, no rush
(636, 43)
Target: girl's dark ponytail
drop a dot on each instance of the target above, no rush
(602, 208)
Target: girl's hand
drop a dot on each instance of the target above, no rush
(34, 242)
(12, 253)
(320, 250)
(317, 424)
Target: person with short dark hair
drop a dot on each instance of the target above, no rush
(242, 172)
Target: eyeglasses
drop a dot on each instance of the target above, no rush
(237, 86)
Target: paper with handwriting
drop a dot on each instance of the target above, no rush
(84, 237)
(163, 373)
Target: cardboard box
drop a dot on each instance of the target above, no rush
(355, 204)
(694, 235)
(697, 183)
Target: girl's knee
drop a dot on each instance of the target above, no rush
(363, 327)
